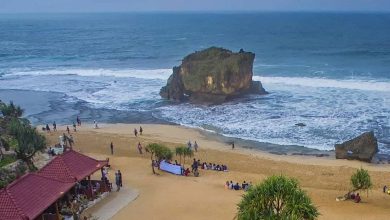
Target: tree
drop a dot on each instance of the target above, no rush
(278, 197)
(29, 141)
(158, 152)
(187, 152)
(361, 180)
(180, 151)
(11, 110)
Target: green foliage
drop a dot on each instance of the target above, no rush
(7, 175)
(278, 197)
(219, 64)
(29, 141)
(11, 110)
(179, 151)
(7, 159)
(184, 152)
(4, 144)
(188, 152)
(159, 152)
(361, 180)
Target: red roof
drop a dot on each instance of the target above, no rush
(30, 195)
(71, 166)
(27, 197)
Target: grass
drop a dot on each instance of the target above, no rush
(7, 159)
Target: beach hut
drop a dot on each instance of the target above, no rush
(31, 195)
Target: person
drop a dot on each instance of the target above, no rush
(139, 148)
(49, 152)
(117, 181)
(120, 178)
(236, 186)
(194, 165)
(74, 127)
(244, 185)
(103, 172)
(78, 121)
(352, 196)
(357, 198)
(189, 144)
(71, 139)
(67, 129)
(196, 173)
(227, 185)
(112, 148)
(64, 139)
(385, 189)
(233, 145)
(140, 130)
(47, 128)
(135, 132)
(97, 187)
(196, 146)
(54, 126)
(187, 171)
(231, 185)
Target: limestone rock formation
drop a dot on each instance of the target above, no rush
(212, 76)
(363, 147)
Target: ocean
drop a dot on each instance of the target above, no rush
(330, 71)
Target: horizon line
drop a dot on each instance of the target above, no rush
(203, 11)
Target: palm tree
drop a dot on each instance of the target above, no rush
(361, 180)
(158, 152)
(278, 197)
(187, 152)
(29, 141)
(180, 151)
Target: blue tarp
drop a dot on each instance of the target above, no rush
(175, 169)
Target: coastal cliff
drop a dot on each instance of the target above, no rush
(212, 76)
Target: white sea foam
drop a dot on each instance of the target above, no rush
(327, 83)
(333, 110)
(161, 74)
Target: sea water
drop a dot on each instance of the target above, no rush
(330, 71)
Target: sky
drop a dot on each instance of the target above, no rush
(54, 6)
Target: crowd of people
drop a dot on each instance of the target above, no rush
(213, 166)
(236, 186)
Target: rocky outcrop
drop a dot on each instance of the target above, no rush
(212, 76)
(363, 147)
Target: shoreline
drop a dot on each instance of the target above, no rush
(221, 143)
(51, 107)
(172, 197)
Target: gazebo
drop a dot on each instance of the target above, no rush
(29, 196)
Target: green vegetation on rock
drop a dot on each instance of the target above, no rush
(212, 75)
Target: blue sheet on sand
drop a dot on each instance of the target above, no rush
(175, 169)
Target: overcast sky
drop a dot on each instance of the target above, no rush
(12, 6)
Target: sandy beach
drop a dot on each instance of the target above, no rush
(167, 196)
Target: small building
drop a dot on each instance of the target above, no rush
(30, 196)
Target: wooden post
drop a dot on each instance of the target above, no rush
(57, 211)
(90, 186)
